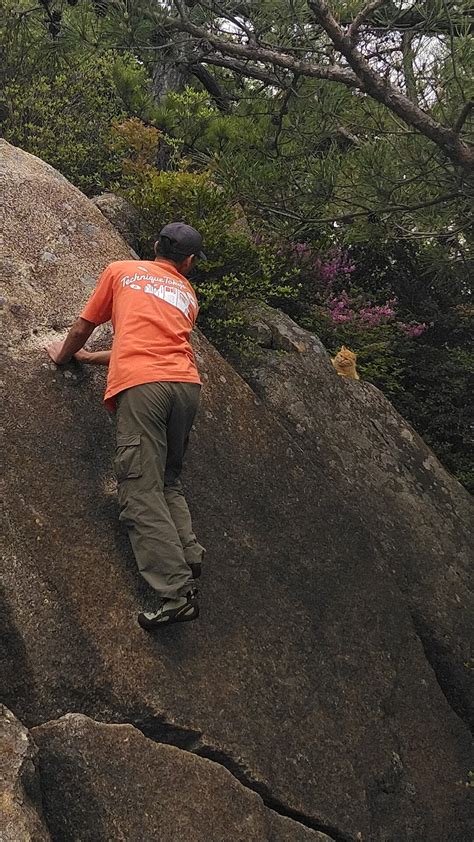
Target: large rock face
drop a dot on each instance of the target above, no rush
(374, 464)
(305, 675)
(101, 783)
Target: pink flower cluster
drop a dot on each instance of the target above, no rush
(336, 263)
(302, 249)
(340, 310)
(413, 330)
(323, 270)
(373, 316)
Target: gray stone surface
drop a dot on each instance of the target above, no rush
(304, 675)
(21, 818)
(122, 215)
(371, 462)
(283, 829)
(103, 783)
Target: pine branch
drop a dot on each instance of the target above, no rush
(361, 75)
(347, 218)
(380, 89)
(211, 85)
(407, 56)
(333, 73)
(243, 69)
(353, 31)
(464, 114)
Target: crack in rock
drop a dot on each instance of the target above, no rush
(263, 791)
(89, 762)
(191, 740)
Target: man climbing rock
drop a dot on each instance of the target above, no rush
(154, 386)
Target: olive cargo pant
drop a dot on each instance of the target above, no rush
(153, 425)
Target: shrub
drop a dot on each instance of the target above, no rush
(410, 328)
(65, 118)
(237, 267)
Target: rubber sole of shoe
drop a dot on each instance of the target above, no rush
(182, 616)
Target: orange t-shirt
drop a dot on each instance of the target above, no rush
(153, 310)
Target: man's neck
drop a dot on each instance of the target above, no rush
(170, 263)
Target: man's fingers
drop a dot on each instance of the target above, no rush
(53, 350)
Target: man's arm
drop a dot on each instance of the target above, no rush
(61, 352)
(93, 357)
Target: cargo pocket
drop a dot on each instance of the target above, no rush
(128, 458)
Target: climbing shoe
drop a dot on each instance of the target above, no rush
(179, 610)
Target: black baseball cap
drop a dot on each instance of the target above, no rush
(184, 239)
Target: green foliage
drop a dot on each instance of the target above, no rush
(132, 85)
(427, 374)
(236, 269)
(62, 92)
(66, 120)
(186, 116)
(437, 382)
(428, 384)
(137, 146)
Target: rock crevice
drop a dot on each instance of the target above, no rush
(162, 732)
(244, 777)
(107, 774)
